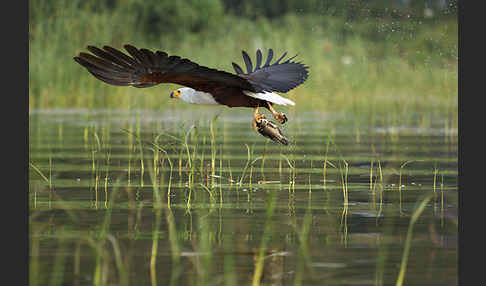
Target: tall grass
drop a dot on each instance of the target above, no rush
(419, 208)
(370, 66)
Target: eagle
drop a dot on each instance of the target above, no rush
(202, 85)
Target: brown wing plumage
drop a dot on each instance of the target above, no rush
(144, 68)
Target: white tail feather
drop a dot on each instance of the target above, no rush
(270, 96)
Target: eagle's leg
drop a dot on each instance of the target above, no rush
(257, 117)
(279, 116)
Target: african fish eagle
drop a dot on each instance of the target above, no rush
(203, 85)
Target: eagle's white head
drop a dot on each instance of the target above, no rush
(193, 96)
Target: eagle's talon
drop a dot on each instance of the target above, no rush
(257, 119)
(281, 117)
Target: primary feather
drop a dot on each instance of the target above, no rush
(143, 68)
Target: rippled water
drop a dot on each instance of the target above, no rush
(170, 198)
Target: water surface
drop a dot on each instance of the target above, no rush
(177, 198)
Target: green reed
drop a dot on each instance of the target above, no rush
(34, 257)
(46, 179)
(435, 178)
(220, 177)
(169, 184)
(381, 189)
(344, 184)
(107, 175)
(190, 159)
(59, 264)
(142, 165)
(257, 274)
(304, 259)
(229, 266)
(371, 175)
(95, 170)
(103, 236)
(156, 227)
(123, 274)
(213, 145)
(172, 231)
(230, 172)
(240, 182)
(262, 166)
(400, 186)
(130, 148)
(384, 247)
(419, 208)
(324, 167)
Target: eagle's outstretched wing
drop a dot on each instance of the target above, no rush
(144, 68)
(280, 77)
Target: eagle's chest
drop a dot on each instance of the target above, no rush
(201, 98)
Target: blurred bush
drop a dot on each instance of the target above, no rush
(158, 18)
(350, 9)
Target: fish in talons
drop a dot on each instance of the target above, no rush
(269, 129)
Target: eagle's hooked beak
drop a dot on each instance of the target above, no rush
(175, 94)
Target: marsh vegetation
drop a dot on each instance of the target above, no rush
(127, 187)
(183, 199)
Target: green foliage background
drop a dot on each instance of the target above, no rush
(364, 56)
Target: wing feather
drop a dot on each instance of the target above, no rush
(149, 56)
(135, 53)
(102, 54)
(284, 54)
(145, 68)
(279, 76)
(102, 64)
(258, 59)
(237, 68)
(269, 58)
(121, 56)
(246, 58)
(100, 74)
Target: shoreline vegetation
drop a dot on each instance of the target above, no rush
(129, 187)
(362, 64)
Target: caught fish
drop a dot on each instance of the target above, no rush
(269, 129)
